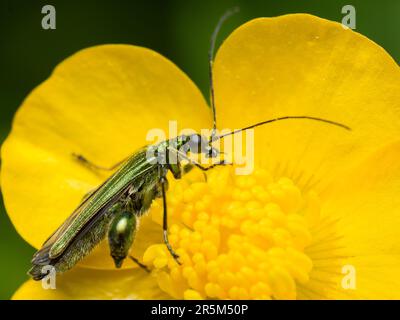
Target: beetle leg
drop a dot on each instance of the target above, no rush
(176, 170)
(189, 166)
(83, 160)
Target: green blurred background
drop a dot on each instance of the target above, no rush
(180, 30)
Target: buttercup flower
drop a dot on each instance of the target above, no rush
(317, 219)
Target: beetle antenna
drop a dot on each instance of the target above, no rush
(223, 18)
(214, 138)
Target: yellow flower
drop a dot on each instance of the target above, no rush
(319, 216)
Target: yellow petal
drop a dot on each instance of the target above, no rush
(298, 65)
(363, 207)
(149, 232)
(100, 102)
(360, 277)
(86, 284)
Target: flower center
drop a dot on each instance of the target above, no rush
(237, 237)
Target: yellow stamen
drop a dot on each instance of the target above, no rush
(238, 237)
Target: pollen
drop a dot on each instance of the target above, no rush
(121, 226)
(237, 237)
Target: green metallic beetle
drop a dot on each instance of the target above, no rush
(113, 209)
